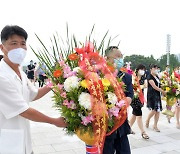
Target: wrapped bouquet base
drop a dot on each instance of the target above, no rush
(170, 103)
(89, 141)
(91, 149)
(86, 137)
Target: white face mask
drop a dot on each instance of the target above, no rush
(141, 72)
(156, 72)
(17, 56)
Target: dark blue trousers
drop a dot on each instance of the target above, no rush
(116, 143)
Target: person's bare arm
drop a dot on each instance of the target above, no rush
(37, 116)
(41, 92)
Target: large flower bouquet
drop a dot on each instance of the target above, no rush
(87, 92)
(172, 88)
(138, 94)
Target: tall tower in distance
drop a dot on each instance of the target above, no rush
(168, 48)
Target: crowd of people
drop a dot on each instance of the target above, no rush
(155, 93)
(36, 73)
(15, 111)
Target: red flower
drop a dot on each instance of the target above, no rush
(174, 90)
(57, 73)
(80, 50)
(89, 47)
(73, 56)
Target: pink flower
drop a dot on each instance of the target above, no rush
(63, 94)
(72, 105)
(49, 83)
(120, 103)
(130, 71)
(60, 86)
(67, 71)
(65, 102)
(114, 111)
(86, 120)
(61, 63)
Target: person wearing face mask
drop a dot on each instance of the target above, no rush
(139, 82)
(16, 91)
(154, 97)
(30, 71)
(118, 140)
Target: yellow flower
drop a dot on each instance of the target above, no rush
(110, 106)
(105, 88)
(167, 89)
(84, 83)
(105, 82)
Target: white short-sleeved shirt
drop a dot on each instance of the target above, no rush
(15, 95)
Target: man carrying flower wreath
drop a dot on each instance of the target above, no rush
(118, 141)
(16, 91)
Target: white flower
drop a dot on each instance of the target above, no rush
(85, 100)
(177, 92)
(76, 69)
(71, 82)
(112, 98)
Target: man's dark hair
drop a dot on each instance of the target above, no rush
(1, 57)
(109, 49)
(8, 31)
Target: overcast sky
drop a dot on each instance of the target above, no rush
(142, 25)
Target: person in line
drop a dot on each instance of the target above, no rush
(16, 91)
(41, 73)
(30, 71)
(154, 97)
(118, 140)
(139, 83)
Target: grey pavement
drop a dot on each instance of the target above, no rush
(48, 139)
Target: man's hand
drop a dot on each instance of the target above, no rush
(59, 122)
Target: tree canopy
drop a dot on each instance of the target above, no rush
(162, 61)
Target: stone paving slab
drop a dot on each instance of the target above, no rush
(48, 139)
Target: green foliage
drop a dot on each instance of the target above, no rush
(162, 62)
(173, 61)
(140, 59)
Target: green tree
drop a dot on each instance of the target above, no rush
(172, 59)
(140, 59)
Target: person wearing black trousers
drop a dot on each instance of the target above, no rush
(118, 141)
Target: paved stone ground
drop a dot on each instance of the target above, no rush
(48, 139)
